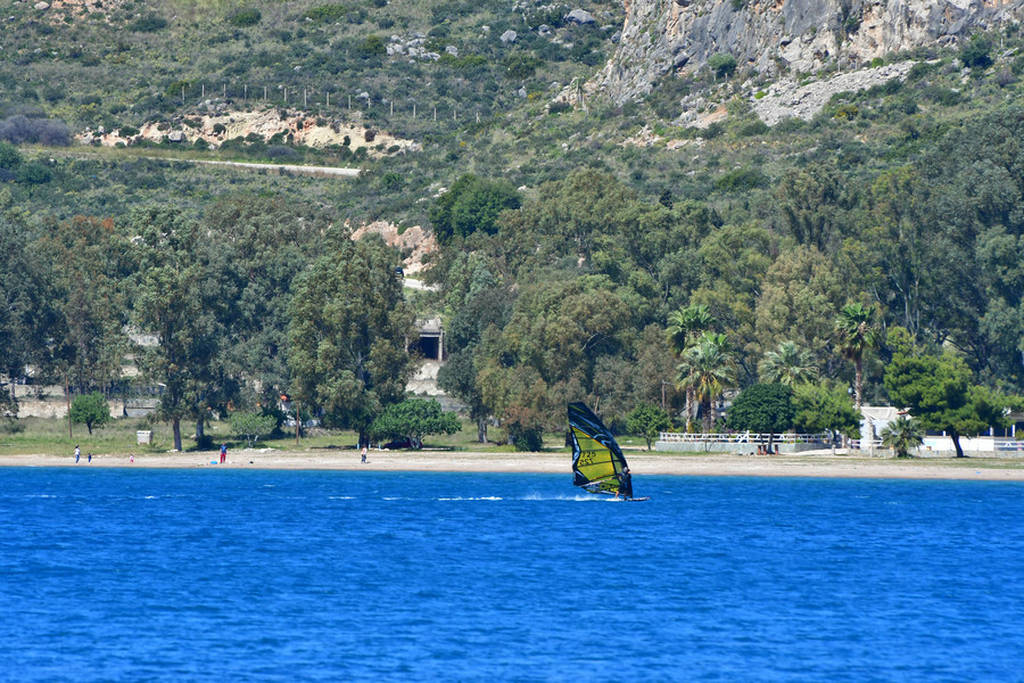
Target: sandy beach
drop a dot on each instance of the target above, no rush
(641, 463)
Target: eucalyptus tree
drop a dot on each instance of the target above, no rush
(708, 368)
(788, 364)
(90, 266)
(27, 314)
(348, 331)
(856, 333)
(178, 298)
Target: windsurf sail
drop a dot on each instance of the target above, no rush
(597, 461)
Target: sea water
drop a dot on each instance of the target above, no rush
(122, 574)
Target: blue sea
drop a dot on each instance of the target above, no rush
(122, 574)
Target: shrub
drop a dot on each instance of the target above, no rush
(722, 64)
(326, 13)
(9, 156)
(91, 410)
(34, 173)
(413, 419)
(975, 53)
(19, 129)
(741, 179)
(252, 425)
(519, 67)
(755, 127)
(148, 24)
(242, 18)
(372, 46)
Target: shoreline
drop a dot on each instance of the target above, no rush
(641, 463)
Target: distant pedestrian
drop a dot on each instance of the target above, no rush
(78, 454)
(363, 454)
(223, 453)
(131, 458)
(90, 457)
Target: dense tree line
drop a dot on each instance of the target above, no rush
(580, 289)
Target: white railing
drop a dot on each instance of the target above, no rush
(743, 437)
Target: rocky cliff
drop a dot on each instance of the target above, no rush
(779, 36)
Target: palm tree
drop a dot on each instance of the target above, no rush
(856, 332)
(683, 325)
(788, 364)
(901, 435)
(707, 369)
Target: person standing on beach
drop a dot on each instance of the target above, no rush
(363, 453)
(223, 453)
(78, 453)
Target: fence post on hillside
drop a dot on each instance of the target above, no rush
(183, 94)
(224, 91)
(435, 113)
(286, 94)
(414, 110)
(305, 98)
(203, 95)
(392, 107)
(245, 92)
(328, 99)
(264, 93)
(350, 103)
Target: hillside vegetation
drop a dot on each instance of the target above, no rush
(573, 233)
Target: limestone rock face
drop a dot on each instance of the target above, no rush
(774, 36)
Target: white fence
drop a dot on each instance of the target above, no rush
(742, 442)
(745, 437)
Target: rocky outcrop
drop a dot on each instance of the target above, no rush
(779, 36)
(787, 99)
(415, 243)
(292, 127)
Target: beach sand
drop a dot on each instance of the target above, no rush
(641, 463)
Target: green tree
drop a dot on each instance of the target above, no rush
(348, 332)
(788, 364)
(92, 410)
(258, 246)
(90, 266)
(722, 64)
(413, 419)
(763, 408)
(800, 294)
(252, 425)
(820, 408)
(901, 435)
(938, 393)
(684, 326)
(472, 204)
(647, 421)
(10, 159)
(28, 318)
(178, 299)
(856, 333)
(708, 369)
(976, 52)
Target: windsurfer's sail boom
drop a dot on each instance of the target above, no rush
(597, 462)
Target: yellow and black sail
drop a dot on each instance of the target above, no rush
(597, 461)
